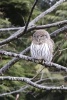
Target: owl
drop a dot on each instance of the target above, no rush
(42, 46)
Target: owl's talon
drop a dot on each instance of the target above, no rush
(43, 61)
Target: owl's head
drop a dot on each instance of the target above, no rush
(40, 36)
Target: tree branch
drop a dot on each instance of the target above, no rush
(28, 81)
(12, 62)
(63, 29)
(37, 27)
(48, 25)
(48, 64)
(10, 29)
(13, 92)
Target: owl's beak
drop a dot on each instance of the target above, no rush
(38, 39)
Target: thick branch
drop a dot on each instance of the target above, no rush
(28, 81)
(48, 64)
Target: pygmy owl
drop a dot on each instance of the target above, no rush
(42, 46)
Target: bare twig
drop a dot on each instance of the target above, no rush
(58, 47)
(3, 46)
(30, 16)
(16, 91)
(63, 49)
(37, 74)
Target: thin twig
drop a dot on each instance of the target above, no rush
(58, 47)
(30, 15)
(13, 92)
(63, 49)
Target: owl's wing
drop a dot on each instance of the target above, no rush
(51, 45)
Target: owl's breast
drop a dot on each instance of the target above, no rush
(40, 51)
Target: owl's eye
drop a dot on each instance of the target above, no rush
(42, 35)
(46, 36)
(37, 36)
